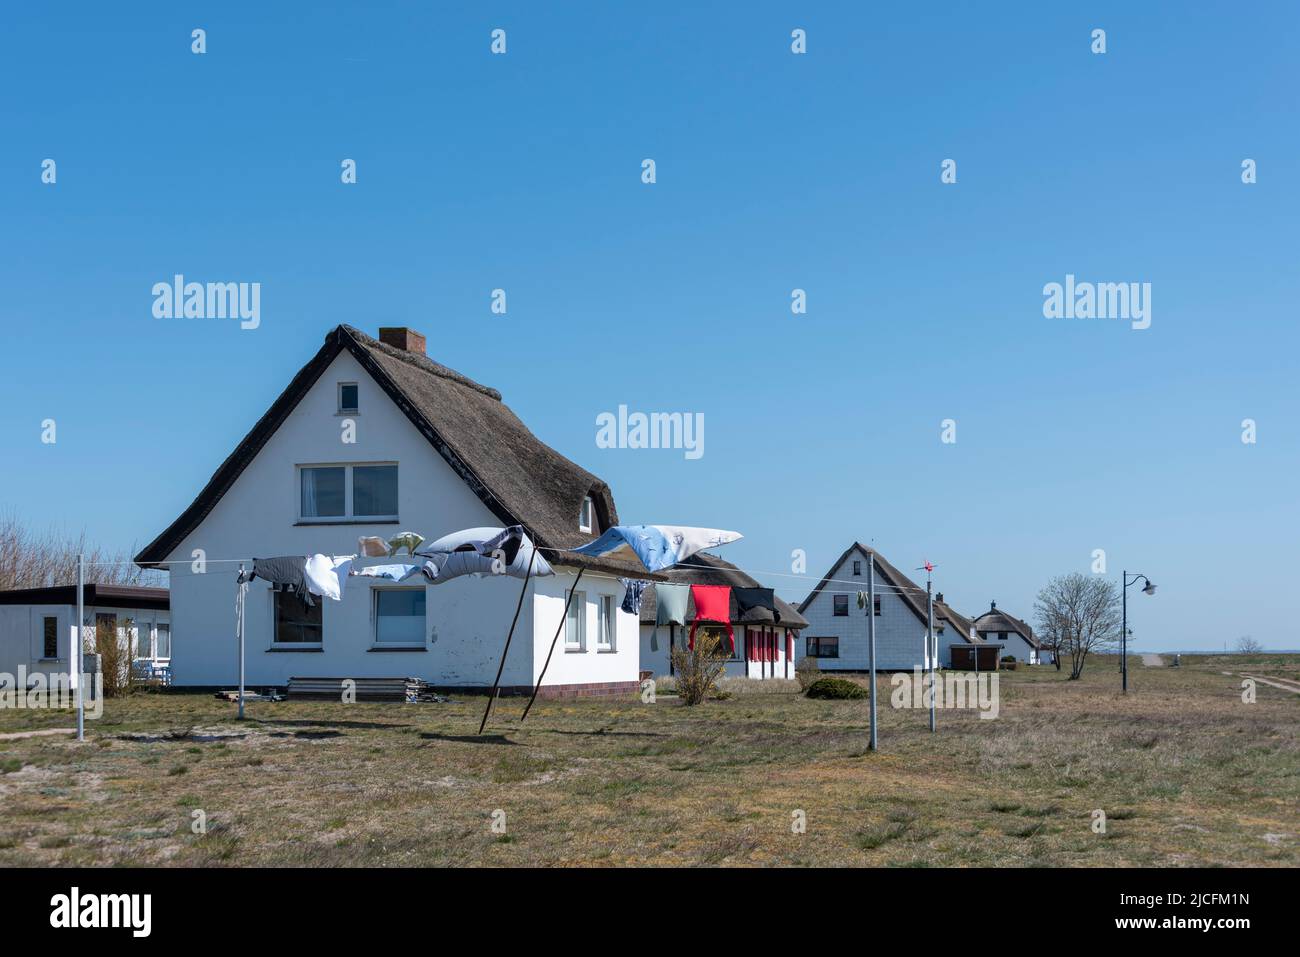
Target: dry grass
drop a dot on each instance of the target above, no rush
(1186, 773)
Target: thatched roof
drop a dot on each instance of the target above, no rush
(705, 569)
(519, 478)
(995, 619)
(913, 595)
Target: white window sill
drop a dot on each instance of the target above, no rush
(575, 651)
(297, 646)
(394, 646)
(606, 651)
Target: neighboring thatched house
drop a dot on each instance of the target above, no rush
(373, 438)
(1015, 636)
(763, 645)
(837, 632)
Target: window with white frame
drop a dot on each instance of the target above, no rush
(605, 640)
(575, 622)
(162, 646)
(341, 493)
(584, 515)
(143, 638)
(348, 398)
(399, 616)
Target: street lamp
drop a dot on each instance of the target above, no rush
(1148, 589)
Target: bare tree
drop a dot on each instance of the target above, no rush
(30, 559)
(1247, 645)
(1079, 614)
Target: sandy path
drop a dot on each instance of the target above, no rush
(1153, 661)
(1286, 684)
(15, 735)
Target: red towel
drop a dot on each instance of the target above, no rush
(712, 603)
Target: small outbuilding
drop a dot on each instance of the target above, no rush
(38, 626)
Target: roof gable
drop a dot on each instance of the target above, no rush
(520, 479)
(904, 588)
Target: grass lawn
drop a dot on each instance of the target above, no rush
(1185, 772)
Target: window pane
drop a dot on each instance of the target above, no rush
(374, 490)
(606, 620)
(51, 636)
(322, 492)
(841, 604)
(399, 616)
(163, 641)
(294, 621)
(574, 621)
(348, 397)
(142, 643)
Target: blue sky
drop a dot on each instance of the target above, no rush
(775, 172)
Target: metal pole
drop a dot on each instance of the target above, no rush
(78, 640)
(564, 617)
(871, 643)
(1123, 633)
(929, 632)
(496, 682)
(239, 631)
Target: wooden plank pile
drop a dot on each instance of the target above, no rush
(367, 689)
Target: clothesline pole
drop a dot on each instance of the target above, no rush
(239, 633)
(871, 643)
(563, 619)
(79, 640)
(496, 683)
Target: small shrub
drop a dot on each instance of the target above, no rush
(698, 671)
(840, 689)
(806, 672)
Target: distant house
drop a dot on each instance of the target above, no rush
(1016, 638)
(763, 641)
(372, 438)
(836, 634)
(38, 625)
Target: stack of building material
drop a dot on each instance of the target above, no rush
(367, 689)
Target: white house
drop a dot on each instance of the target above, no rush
(1016, 638)
(38, 625)
(373, 438)
(764, 641)
(836, 634)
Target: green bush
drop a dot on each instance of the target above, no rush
(836, 688)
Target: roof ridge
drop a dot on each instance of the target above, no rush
(423, 363)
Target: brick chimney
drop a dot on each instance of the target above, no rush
(400, 337)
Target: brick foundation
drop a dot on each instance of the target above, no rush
(595, 689)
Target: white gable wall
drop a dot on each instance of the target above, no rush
(467, 619)
(900, 635)
(1014, 644)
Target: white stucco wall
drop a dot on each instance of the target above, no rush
(466, 619)
(1014, 644)
(900, 634)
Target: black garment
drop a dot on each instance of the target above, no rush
(751, 598)
(287, 573)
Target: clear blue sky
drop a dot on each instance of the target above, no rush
(775, 171)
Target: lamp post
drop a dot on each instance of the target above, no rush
(1149, 589)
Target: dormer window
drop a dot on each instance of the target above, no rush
(584, 515)
(347, 398)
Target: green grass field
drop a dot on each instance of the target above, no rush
(1186, 773)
